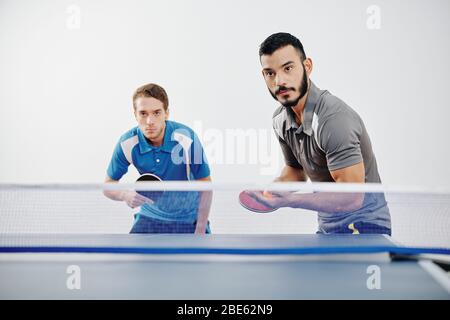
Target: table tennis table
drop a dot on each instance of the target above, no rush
(217, 266)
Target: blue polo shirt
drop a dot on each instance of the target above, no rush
(180, 157)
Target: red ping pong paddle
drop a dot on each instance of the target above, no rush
(250, 203)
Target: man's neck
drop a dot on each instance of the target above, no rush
(298, 109)
(158, 141)
(155, 143)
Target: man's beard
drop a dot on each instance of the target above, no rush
(303, 89)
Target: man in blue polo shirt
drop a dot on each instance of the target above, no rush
(169, 150)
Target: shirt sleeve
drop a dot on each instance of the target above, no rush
(339, 138)
(288, 155)
(118, 165)
(198, 162)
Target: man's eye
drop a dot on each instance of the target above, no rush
(289, 68)
(269, 74)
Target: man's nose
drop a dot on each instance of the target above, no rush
(279, 80)
(150, 120)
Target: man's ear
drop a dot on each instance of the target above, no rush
(167, 113)
(308, 64)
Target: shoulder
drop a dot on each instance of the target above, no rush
(279, 117)
(181, 134)
(180, 131)
(129, 140)
(332, 109)
(278, 111)
(180, 128)
(130, 134)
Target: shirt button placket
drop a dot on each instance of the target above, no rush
(158, 160)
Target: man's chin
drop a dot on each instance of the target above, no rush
(288, 104)
(150, 136)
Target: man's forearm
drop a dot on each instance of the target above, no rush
(114, 194)
(204, 209)
(331, 202)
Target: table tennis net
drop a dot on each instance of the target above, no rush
(417, 217)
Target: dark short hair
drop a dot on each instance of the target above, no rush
(154, 91)
(279, 40)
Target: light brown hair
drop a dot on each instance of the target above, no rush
(154, 91)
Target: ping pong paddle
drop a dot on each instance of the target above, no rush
(250, 203)
(153, 194)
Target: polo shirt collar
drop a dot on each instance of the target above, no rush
(290, 120)
(308, 112)
(167, 145)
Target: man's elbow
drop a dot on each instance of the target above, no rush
(348, 202)
(108, 193)
(207, 179)
(356, 202)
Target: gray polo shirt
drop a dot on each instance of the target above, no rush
(331, 137)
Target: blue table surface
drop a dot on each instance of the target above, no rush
(134, 276)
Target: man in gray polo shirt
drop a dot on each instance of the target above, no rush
(321, 138)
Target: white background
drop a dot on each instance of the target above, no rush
(65, 89)
(65, 94)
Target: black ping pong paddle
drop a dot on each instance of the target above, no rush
(151, 194)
